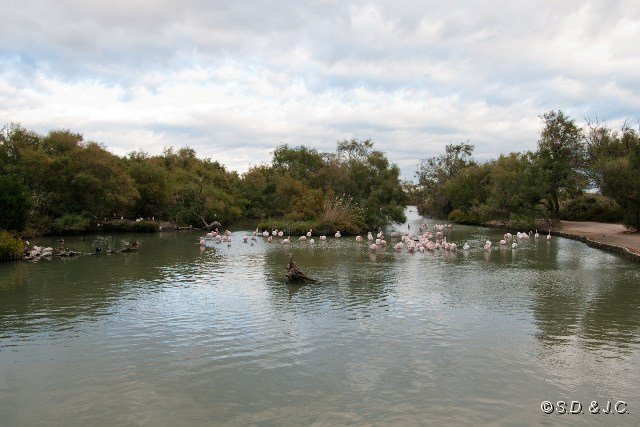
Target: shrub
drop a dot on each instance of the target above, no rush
(591, 207)
(341, 214)
(11, 247)
(460, 217)
(292, 227)
(71, 223)
(130, 226)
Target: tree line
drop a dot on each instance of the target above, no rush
(589, 174)
(58, 182)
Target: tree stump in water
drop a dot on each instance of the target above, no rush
(295, 275)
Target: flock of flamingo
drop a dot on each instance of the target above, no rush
(427, 240)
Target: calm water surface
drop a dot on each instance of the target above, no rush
(172, 335)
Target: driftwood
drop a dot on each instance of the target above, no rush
(212, 226)
(295, 275)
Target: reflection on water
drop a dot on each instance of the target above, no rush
(176, 335)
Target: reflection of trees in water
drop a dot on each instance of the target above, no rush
(612, 316)
(600, 308)
(342, 271)
(61, 290)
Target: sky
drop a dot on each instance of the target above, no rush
(234, 80)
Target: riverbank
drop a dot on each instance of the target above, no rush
(610, 237)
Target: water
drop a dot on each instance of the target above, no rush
(172, 335)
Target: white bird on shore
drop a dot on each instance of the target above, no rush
(549, 236)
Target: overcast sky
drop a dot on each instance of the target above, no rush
(235, 79)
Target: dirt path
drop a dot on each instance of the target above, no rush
(609, 234)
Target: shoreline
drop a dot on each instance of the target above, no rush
(600, 235)
(608, 237)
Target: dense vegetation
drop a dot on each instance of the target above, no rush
(60, 183)
(579, 174)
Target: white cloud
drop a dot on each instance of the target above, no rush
(235, 80)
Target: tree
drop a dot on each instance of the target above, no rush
(435, 172)
(614, 159)
(513, 193)
(561, 155)
(15, 202)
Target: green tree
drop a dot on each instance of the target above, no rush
(15, 202)
(435, 172)
(614, 159)
(561, 156)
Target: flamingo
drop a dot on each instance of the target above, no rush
(302, 238)
(514, 245)
(338, 235)
(311, 242)
(359, 239)
(245, 239)
(549, 236)
(323, 238)
(373, 247)
(309, 232)
(466, 246)
(280, 233)
(270, 239)
(265, 233)
(286, 241)
(503, 242)
(536, 235)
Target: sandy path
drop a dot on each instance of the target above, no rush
(611, 234)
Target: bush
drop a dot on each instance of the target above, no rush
(293, 227)
(130, 226)
(71, 223)
(591, 207)
(460, 217)
(15, 202)
(11, 247)
(341, 214)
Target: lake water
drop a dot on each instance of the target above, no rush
(173, 335)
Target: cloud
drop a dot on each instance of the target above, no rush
(234, 80)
